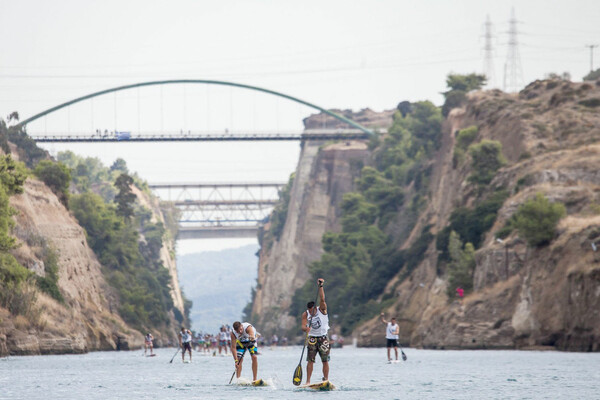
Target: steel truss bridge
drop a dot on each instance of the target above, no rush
(211, 210)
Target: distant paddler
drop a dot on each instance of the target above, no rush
(315, 321)
(391, 335)
(185, 342)
(148, 343)
(243, 338)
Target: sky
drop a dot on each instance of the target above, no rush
(336, 54)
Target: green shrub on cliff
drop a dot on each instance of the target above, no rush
(15, 292)
(280, 211)
(536, 220)
(461, 265)
(487, 159)
(459, 86)
(464, 138)
(56, 176)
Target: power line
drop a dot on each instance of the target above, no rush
(513, 71)
(592, 47)
(488, 68)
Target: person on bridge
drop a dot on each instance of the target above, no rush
(243, 338)
(315, 321)
(185, 342)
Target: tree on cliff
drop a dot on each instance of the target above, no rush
(12, 274)
(125, 197)
(56, 176)
(461, 266)
(459, 86)
(536, 220)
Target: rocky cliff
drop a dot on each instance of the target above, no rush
(523, 297)
(88, 318)
(324, 174)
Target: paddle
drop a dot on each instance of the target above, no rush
(237, 365)
(403, 355)
(171, 362)
(297, 380)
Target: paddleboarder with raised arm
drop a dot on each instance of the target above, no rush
(243, 338)
(315, 321)
(391, 334)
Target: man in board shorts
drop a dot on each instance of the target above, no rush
(315, 322)
(185, 342)
(243, 338)
(391, 334)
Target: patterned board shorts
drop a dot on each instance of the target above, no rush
(241, 349)
(319, 345)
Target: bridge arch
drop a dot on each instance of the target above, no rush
(195, 81)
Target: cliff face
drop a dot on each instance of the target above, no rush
(167, 253)
(323, 175)
(523, 297)
(87, 320)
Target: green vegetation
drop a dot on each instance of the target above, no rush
(464, 138)
(592, 103)
(471, 224)
(592, 76)
(56, 176)
(362, 259)
(124, 238)
(281, 209)
(487, 159)
(133, 269)
(461, 265)
(89, 173)
(49, 282)
(125, 197)
(459, 86)
(15, 288)
(536, 220)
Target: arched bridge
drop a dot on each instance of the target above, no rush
(214, 215)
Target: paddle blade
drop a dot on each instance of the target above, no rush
(403, 356)
(297, 376)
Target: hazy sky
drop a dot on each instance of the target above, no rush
(337, 54)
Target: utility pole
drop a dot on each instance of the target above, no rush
(592, 47)
(513, 71)
(488, 67)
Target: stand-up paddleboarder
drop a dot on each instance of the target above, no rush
(315, 321)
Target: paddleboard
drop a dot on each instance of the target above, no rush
(258, 382)
(151, 355)
(393, 361)
(187, 362)
(325, 385)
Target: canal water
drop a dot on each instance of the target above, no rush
(358, 373)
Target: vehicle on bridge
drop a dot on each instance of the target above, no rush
(124, 135)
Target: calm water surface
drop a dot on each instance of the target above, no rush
(358, 374)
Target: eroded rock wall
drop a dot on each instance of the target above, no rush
(324, 174)
(88, 319)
